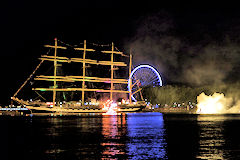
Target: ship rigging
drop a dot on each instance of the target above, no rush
(58, 60)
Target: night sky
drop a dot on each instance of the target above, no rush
(183, 32)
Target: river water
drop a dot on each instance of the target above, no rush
(129, 136)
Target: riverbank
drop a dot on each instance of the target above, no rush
(172, 110)
(169, 110)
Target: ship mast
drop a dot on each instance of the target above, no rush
(112, 72)
(84, 66)
(54, 89)
(55, 73)
(130, 80)
(55, 78)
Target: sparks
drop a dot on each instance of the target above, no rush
(110, 107)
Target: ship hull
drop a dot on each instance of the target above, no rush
(44, 109)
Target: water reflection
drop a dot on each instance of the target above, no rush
(146, 135)
(69, 137)
(114, 137)
(134, 136)
(213, 143)
(131, 136)
(211, 140)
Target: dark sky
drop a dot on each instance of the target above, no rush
(27, 25)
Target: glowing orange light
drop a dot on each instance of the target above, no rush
(110, 107)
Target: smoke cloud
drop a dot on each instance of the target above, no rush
(217, 104)
(157, 43)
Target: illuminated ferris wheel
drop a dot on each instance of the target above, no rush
(143, 76)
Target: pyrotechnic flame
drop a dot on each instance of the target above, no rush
(216, 104)
(110, 107)
(211, 104)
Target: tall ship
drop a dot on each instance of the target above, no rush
(78, 79)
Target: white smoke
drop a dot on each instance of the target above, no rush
(156, 43)
(216, 104)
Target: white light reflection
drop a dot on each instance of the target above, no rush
(211, 137)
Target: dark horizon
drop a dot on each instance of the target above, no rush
(188, 30)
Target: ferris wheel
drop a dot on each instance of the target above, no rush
(143, 76)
